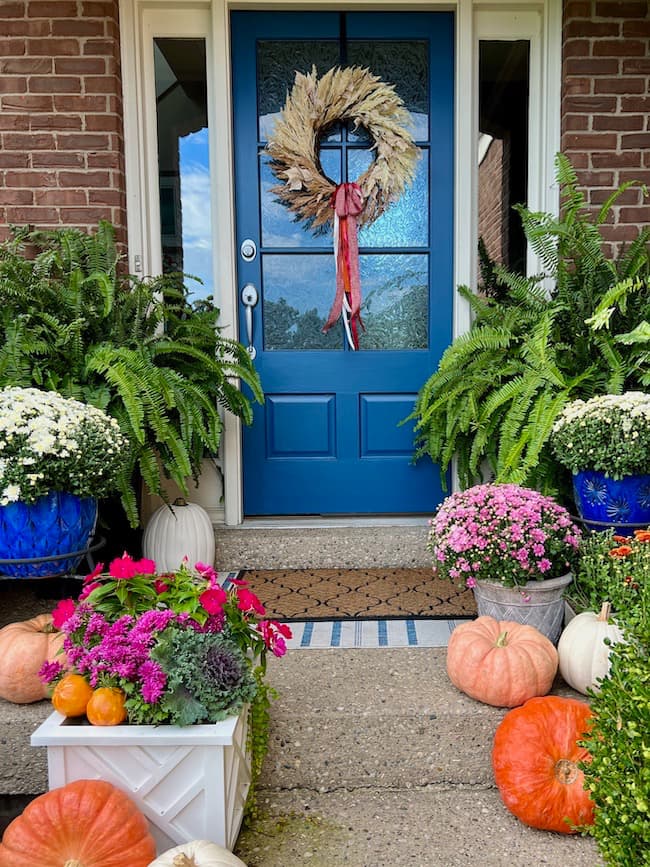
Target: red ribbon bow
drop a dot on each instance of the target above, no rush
(347, 202)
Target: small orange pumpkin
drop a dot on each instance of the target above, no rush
(535, 758)
(24, 647)
(87, 822)
(71, 695)
(500, 662)
(106, 707)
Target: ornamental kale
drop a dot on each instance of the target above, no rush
(503, 533)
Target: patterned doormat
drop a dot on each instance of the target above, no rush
(341, 594)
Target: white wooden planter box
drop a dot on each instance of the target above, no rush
(191, 783)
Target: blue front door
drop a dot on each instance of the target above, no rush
(328, 438)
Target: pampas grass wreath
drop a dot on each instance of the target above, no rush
(316, 104)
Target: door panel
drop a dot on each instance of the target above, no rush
(329, 439)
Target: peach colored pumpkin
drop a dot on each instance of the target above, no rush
(24, 647)
(501, 663)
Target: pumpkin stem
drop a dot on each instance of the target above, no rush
(180, 501)
(183, 860)
(605, 611)
(502, 640)
(73, 863)
(565, 771)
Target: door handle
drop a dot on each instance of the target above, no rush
(249, 297)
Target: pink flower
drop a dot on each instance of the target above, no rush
(248, 601)
(206, 571)
(160, 586)
(471, 582)
(64, 610)
(125, 567)
(49, 670)
(99, 568)
(213, 600)
(274, 635)
(88, 589)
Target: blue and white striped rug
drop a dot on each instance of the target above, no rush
(319, 634)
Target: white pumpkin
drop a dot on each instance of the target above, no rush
(197, 853)
(584, 656)
(177, 531)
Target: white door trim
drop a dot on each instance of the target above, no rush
(537, 20)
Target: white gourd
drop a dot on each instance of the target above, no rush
(182, 530)
(197, 853)
(584, 656)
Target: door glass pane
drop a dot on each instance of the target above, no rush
(279, 226)
(502, 153)
(298, 294)
(406, 222)
(404, 64)
(395, 308)
(183, 160)
(277, 64)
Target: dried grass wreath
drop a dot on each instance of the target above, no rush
(313, 106)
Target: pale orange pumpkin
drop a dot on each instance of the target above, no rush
(24, 647)
(501, 662)
(87, 823)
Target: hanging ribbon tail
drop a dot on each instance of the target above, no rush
(347, 202)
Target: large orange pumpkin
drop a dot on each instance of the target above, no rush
(24, 647)
(500, 662)
(535, 757)
(88, 823)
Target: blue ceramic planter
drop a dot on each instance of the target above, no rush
(620, 503)
(56, 524)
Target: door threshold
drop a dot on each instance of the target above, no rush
(295, 522)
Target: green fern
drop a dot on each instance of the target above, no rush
(499, 388)
(137, 348)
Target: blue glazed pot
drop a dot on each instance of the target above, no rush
(57, 523)
(619, 503)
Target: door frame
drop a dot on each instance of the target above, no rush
(539, 21)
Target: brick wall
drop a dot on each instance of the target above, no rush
(606, 105)
(61, 138)
(493, 201)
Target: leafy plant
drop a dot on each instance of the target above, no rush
(499, 388)
(72, 322)
(618, 776)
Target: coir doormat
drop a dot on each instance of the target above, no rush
(335, 594)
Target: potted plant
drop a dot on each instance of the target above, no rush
(605, 443)
(140, 348)
(513, 546)
(537, 342)
(157, 665)
(57, 456)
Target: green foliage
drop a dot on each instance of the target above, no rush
(71, 322)
(259, 722)
(621, 579)
(618, 775)
(499, 388)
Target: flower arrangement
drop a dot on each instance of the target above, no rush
(179, 648)
(613, 568)
(609, 433)
(503, 533)
(51, 443)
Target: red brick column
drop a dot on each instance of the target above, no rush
(61, 134)
(606, 105)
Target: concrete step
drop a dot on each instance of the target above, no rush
(435, 826)
(377, 717)
(323, 544)
(376, 759)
